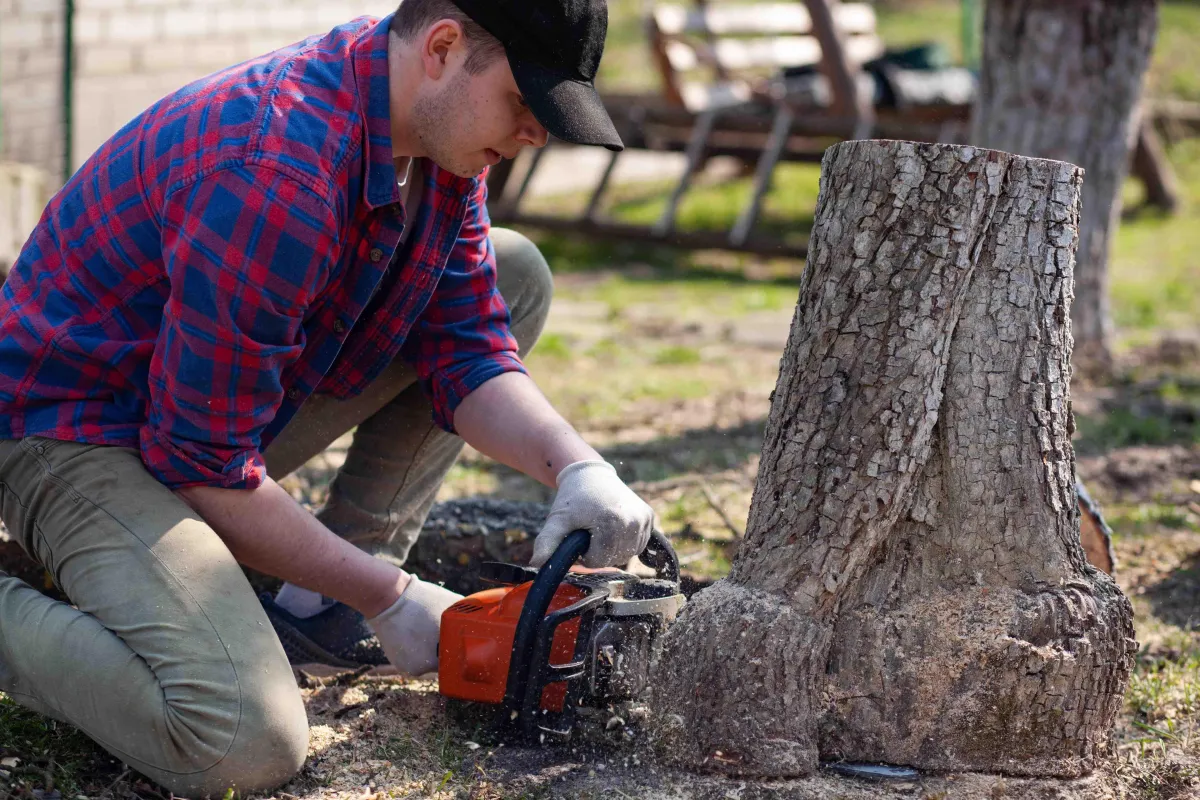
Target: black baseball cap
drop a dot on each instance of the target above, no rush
(554, 49)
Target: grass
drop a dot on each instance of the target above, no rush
(1175, 70)
(35, 750)
(1146, 519)
(1162, 691)
(685, 297)
(1154, 281)
(1161, 411)
(1124, 428)
(676, 355)
(554, 346)
(1158, 746)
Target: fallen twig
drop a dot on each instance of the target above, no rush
(113, 785)
(688, 481)
(347, 678)
(306, 680)
(713, 501)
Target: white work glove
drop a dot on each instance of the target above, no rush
(408, 629)
(591, 496)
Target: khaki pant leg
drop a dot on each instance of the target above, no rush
(165, 657)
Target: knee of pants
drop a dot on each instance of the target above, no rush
(524, 280)
(268, 750)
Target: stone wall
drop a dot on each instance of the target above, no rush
(132, 52)
(31, 75)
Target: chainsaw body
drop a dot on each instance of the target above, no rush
(543, 642)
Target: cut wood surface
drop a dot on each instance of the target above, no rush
(912, 589)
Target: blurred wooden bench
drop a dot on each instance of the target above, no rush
(720, 65)
(712, 59)
(722, 94)
(710, 55)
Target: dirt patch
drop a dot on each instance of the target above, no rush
(384, 738)
(1133, 474)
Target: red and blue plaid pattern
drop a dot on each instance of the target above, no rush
(225, 255)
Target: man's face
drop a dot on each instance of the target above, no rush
(467, 122)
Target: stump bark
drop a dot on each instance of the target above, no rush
(911, 588)
(1063, 79)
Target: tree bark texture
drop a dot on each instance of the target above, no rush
(1062, 79)
(911, 588)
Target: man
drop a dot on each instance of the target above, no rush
(267, 258)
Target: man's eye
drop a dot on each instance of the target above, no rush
(521, 102)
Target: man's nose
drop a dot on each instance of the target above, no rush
(532, 133)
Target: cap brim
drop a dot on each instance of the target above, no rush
(569, 109)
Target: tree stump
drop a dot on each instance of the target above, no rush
(1063, 79)
(911, 588)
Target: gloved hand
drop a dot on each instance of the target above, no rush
(591, 496)
(408, 629)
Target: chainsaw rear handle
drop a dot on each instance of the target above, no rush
(658, 554)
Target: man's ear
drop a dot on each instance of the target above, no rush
(443, 42)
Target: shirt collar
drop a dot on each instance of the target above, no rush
(372, 80)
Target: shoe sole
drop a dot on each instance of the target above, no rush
(299, 649)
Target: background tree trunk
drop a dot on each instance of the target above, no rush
(911, 588)
(1062, 79)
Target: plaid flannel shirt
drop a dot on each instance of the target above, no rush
(214, 263)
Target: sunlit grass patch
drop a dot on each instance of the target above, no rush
(1141, 519)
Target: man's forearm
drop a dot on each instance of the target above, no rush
(267, 530)
(509, 419)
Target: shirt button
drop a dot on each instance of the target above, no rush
(339, 326)
(293, 393)
(376, 255)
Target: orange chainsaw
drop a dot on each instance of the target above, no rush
(543, 642)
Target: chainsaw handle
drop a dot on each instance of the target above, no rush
(658, 554)
(537, 603)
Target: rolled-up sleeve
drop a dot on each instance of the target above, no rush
(246, 249)
(462, 338)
